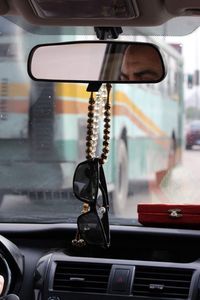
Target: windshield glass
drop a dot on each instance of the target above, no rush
(152, 157)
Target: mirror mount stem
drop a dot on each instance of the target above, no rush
(94, 86)
(104, 33)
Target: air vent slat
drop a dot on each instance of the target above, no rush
(160, 275)
(162, 282)
(170, 281)
(61, 275)
(79, 289)
(165, 295)
(81, 277)
(140, 286)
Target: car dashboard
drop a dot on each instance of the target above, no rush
(142, 263)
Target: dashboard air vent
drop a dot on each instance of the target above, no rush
(162, 282)
(81, 277)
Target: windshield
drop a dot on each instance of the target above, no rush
(152, 158)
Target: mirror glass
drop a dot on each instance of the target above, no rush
(97, 61)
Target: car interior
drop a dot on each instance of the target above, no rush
(41, 257)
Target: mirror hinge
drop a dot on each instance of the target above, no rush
(104, 33)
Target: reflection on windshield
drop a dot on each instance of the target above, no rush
(154, 158)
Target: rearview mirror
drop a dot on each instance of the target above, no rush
(103, 61)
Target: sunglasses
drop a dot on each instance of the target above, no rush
(89, 186)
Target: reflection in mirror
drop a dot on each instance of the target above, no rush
(141, 63)
(97, 61)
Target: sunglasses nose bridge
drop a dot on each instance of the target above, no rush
(92, 206)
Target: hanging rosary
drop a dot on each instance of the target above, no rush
(94, 107)
(97, 106)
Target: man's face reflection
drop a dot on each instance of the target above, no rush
(141, 63)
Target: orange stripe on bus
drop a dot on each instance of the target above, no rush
(75, 107)
(118, 97)
(19, 90)
(14, 106)
(72, 90)
(13, 90)
(123, 111)
(121, 97)
(71, 107)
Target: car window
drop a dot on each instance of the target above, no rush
(43, 132)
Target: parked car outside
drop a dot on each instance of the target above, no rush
(193, 134)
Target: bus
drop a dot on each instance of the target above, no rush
(36, 160)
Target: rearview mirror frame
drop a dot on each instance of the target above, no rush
(109, 44)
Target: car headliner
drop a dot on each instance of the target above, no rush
(152, 13)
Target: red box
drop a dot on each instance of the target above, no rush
(169, 215)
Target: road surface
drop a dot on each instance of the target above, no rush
(182, 186)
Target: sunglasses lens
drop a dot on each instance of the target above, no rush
(85, 184)
(91, 229)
